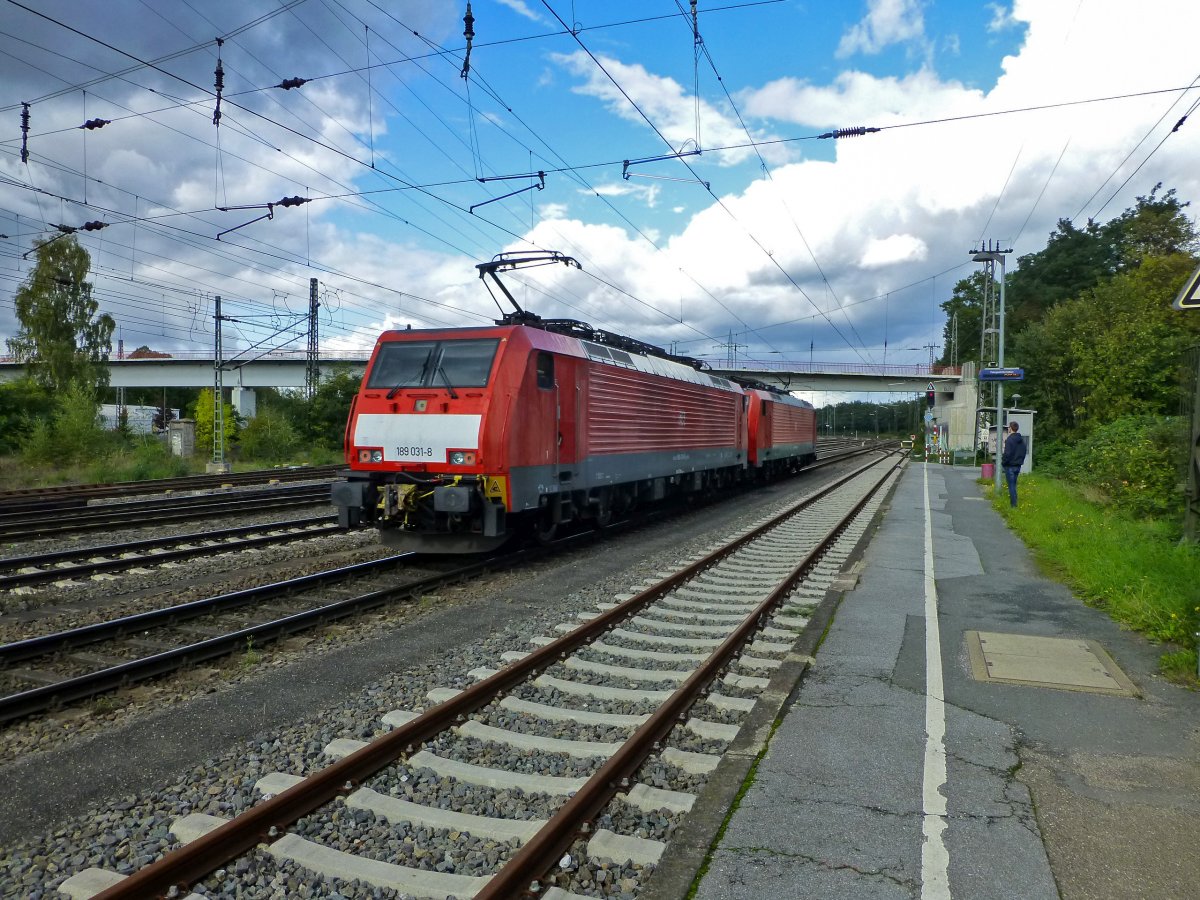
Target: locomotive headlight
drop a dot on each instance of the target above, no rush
(376, 456)
(458, 458)
(370, 456)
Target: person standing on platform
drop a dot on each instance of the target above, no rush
(1013, 459)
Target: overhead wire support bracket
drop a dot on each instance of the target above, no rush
(540, 186)
(269, 207)
(682, 154)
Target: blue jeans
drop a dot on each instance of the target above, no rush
(1010, 475)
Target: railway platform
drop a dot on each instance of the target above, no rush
(967, 728)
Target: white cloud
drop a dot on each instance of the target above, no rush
(522, 9)
(1002, 17)
(552, 211)
(896, 248)
(887, 22)
(860, 98)
(667, 104)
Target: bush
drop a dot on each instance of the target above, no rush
(269, 437)
(22, 404)
(1137, 462)
(152, 458)
(1052, 457)
(71, 434)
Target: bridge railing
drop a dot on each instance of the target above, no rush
(836, 368)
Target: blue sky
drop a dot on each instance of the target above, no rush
(848, 245)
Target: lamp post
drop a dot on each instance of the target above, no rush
(992, 256)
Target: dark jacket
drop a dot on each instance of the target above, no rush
(1014, 450)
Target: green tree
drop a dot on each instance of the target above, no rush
(1075, 260)
(1114, 351)
(203, 415)
(1129, 363)
(330, 408)
(1156, 226)
(72, 434)
(61, 338)
(967, 303)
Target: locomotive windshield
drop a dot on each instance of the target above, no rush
(451, 364)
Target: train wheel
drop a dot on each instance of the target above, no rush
(604, 510)
(545, 531)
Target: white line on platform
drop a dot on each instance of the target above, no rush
(935, 860)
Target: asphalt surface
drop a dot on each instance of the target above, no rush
(1048, 792)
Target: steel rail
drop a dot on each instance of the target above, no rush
(157, 550)
(186, 865)
(168, 502)
(519, 876)
(17, 706)
(41, 495)
(169, 615)
(91, 520)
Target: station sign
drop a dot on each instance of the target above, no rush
(1001, 374)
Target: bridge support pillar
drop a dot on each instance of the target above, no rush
(245, 404)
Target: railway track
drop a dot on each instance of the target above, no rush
(536, 779)
(84, 562)
(67, 495)
(150, 644)
(31, 525)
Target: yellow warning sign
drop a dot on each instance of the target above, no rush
(1189, 294)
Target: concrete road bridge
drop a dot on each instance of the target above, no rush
(286, 369)
(954, 406)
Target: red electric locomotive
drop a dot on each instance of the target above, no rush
(783, 432)
(458, 437)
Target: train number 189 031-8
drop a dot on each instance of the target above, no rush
(415, 451)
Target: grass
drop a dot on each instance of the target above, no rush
(251, 657)
(1133, 569)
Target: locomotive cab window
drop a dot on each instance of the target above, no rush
(448, 364)
(545, 370)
